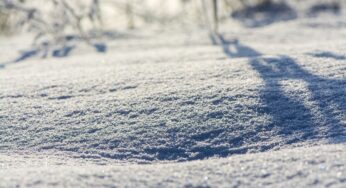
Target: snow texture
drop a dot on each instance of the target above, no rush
(322, 166)
(176, 97)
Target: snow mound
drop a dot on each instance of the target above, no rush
(180, 98)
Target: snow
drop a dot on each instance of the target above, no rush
(319, 166)
(267, 104)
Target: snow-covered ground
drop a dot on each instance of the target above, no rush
(322, 166)
(155, 107)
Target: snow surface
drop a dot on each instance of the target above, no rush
(176, 97)
(321, 166)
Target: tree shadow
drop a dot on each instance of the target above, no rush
(43, 51)
(63, 48)
(333, 8)
(313, 109)
(100, 47)
(26, 55)
(233, 48)
(265, 13)
(327, 54)
(302, 107)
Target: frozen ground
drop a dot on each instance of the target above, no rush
(93, 119)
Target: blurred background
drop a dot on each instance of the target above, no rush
(58, 22)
